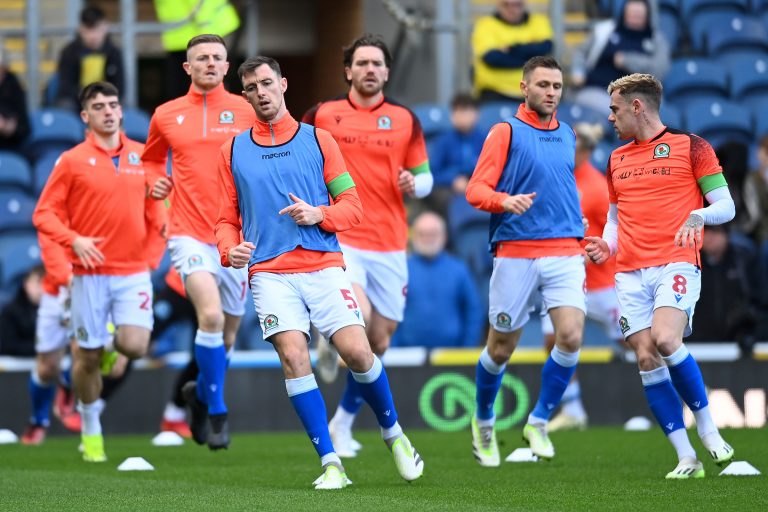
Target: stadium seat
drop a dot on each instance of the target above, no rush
(14, 172)
(690, 79)
(43, 168)
(495, 112)
(573, 113)
(602, 153)
(53, 129)
(461, 215)
(749, 77)
(18, 253)
(16, 210)
(702, 24)
(671, 116)
(136, 124)
(434, 118)
(739, 33)
(719, 121)
(691, 8)
(669, 24)
(761, 120)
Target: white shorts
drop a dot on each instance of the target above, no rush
(189, 255)
(518, 285)
(94, 297)
(289, 302)
(382, 275)
(52, 330)
(641, 292)
(602, 307)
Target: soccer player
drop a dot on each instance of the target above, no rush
(602, 304)
(384, 150)
(289, 213)
(655, 223)
(193, 127)
(95, 203)
(524, 177)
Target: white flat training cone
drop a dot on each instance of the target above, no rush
(8, 437)
(167, 439)
(521, 455)
(740, 468)
(135, 464)
(638, 424)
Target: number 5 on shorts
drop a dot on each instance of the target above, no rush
(347, 294)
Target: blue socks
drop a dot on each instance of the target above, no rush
(352, 399)
(310, 406)
(488, 378)
(686, 376)
(663, 400)
(42, 398)
(555, 376)
(211, 357)
(374, 387)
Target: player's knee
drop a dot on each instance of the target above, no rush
(88, 360)
(47, 370)
(211, 320)
(666, 341)
(500, 352)
(359, 359)
(380, 343)
(132, 344)
(647, 360)
(569, 339)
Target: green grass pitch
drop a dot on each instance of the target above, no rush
(598, 469)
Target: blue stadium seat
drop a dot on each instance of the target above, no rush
(461, 215)
(53, 129)
(704, 23)
(434, 118)
(18, 253)
(602, 153)
(573, 113)
(749, 77)
(691, 8)
(739, 33)
(16, 210)
(136, 124)
(669, 24)
(671, 116)
(14, 171)
(690, 79)
(43, 168)
(495, 112)
(719, 121)
(760, 107)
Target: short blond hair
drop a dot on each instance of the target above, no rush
(639, 84)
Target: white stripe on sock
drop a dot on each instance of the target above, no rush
(677, 357)
(565, 359)
(489, 364)
(371, 375)
(655, 376)
(300, 385)
(209, 339)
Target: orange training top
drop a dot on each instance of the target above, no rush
(86, 195)
(344, 213)
(58, 269)
(377, 143)
(656, 184)
(593, 191)
(481, 190)
(194, 127)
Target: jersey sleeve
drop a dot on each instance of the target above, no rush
(156, 221)
(228, 224)
(311, 115)
(705, 165)
(481, 189)
(55, 260)
(416, 159)
(345, 211)
(50, 214)
(609, 179)
(155, 151)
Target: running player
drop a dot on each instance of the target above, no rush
(95, 203)
(384, 150)
(193, 128)
(294, 260)
(524, 177)
(657, 181)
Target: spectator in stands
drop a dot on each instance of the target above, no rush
(501, 44)
(755, 197)
(442, 308)
(14, 123)
(91, 57)
(454, 154)
(18, 318)
(616, 48)
(728, 306)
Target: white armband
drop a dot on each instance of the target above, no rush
(721, 208)
(611, 228)
(422, 184)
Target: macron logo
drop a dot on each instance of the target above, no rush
(213, 387)
(387, 412)
(179, 119)
(279, 154)
(316, 440)
(670, 426)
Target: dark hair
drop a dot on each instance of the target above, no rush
(91, 90)
(250, 66)
(206, 38)
(367, 40)
(540, 61)
(91, 16)
(463, 101)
